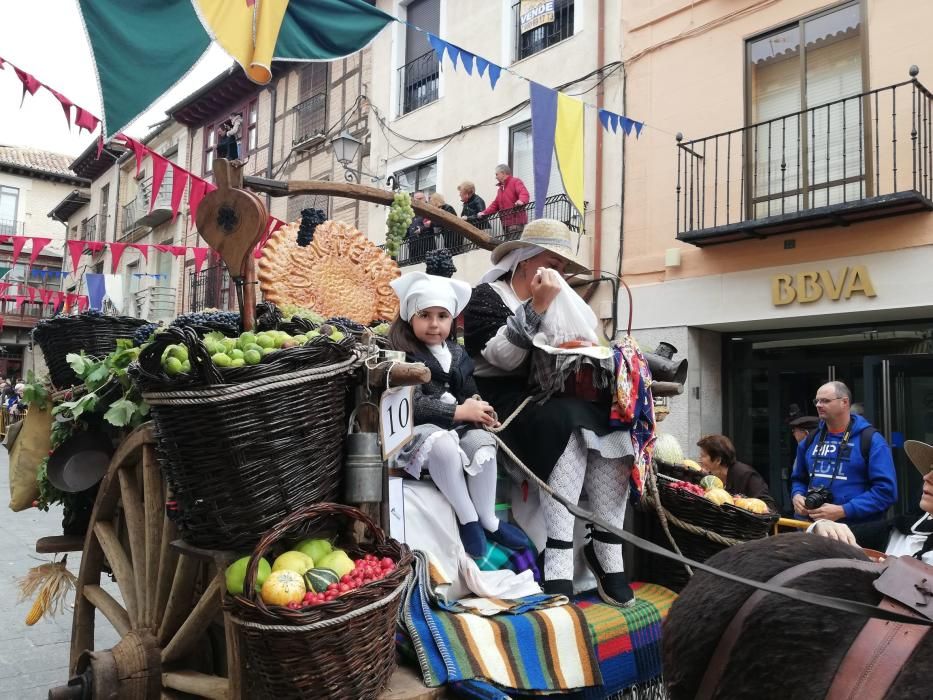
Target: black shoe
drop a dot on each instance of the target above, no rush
(613, 588)
(557, 586)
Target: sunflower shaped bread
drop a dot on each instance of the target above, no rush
(341, 273)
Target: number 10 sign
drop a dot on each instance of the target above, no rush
(396, 419)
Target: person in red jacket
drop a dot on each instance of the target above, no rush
(511, 193)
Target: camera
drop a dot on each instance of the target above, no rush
(817, 497)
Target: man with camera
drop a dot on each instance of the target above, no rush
(844, 469)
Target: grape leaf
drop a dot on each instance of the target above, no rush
(78, 363)
(120, 412)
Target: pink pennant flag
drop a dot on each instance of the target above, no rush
(30, 83)
(139, 150)
(94, 246)
(57, 298)
(85, 120)
(38, 245)
(83, 302)
(46, 295)
(159, 164)
(142, 248)
(116, 252)
(4, 286)
(18, 243)
(31, 291)
(75, 249)
(1, 317)
(20, 300)
(179, 180)
(178, 250)
(271, 227)
(163, 248)
(65, 103)
(200, 255)
(4, 238)
(195, 195)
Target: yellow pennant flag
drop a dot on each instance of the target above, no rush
(568, 146)
(247, 31)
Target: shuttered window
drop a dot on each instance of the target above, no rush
(521, 160)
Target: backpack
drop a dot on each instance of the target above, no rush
(864, 441)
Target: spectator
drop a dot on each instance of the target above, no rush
(15, 403)
(511, 194)
(717, 456)
(801, 427)
(844, 470)
(420, 234)
(451, 239)
(417, 225)
(473, 204)
(228, 137)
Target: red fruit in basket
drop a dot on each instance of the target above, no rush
(332, 587)
(386, 562)
(343, 587)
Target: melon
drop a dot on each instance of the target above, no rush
(667, 449)
(692, 466)
(283, 587)
(754, 505)
(719, 496)
(707, 483)
(318, 580)
(298, 562)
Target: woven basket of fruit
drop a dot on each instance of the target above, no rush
(90, 332)
(321, 624)
(685, 471)
(242, 445)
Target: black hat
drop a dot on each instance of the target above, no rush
(80, 462)
(804, 423)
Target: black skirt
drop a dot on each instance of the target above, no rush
(540, 433)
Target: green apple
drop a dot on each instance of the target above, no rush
(221, 359)
(172, 366)
(236, 575)
(298, 562)
(238, 362)
(252, 357)
(317, 549)
(236, 354)
(246, 339)
(338, 562)
(264, 340)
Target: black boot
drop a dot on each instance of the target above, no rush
(613, 588)
(558, 586)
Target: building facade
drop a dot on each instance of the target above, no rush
(782, 232)
(32, 182)
(434, 127)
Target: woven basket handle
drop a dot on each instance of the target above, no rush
(150, 359)
(311, 514)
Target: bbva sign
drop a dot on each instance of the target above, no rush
(812, 285)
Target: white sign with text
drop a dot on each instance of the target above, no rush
(396, 419)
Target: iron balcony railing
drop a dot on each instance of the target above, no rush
(89, 229)
(210, 289)
(309, 119)
(866, 152)
(155, 303)
(502, 226)
(418, 82)
(9, 227)
(545, 35)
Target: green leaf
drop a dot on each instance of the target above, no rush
(143, 408)
(124, 343)
(77, 362)
(97, 376)
(120, 412)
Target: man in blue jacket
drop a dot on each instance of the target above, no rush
(832, 479)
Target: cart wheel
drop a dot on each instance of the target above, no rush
(169, 621)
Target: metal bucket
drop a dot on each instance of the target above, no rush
(363, 473)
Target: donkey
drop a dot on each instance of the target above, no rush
(786, 649)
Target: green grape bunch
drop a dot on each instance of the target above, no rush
(400, 217)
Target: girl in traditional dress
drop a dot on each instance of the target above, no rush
(448, 437)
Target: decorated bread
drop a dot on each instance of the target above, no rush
(341, 273)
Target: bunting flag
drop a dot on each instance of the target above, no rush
(611, 120)
(46, 295)
(455, 52)
(195, 194)
(143, 248)
(272, 225)
(543, 126)
(116, 252)
(38, 245)
(159, 166)
(179, 180)
(568, 146)
(141, 49)
(75, 250)
(200, 255)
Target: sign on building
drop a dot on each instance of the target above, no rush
(534, 13)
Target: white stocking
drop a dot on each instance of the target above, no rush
(566, 479)
(607, 483)
(446, 470)
(482, 486)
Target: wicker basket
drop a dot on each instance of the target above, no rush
(341, 649)
(678, 471)
(96, 335)
(241, 448)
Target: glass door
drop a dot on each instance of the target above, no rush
(899, 403)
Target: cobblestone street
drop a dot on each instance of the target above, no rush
(33, 659)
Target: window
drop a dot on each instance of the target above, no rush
(104, 212)
(418, 78)
(210, 146)
(418, 178)
(522, 162)
(539, 25)
(812, 159)
(9, 204)
(251, 122)
(311, 110)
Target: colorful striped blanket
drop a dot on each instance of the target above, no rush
(592, 648)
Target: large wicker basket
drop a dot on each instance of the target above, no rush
(241, 448)
(341, 649)
(92, 333)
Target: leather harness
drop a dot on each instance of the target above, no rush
(881, 648)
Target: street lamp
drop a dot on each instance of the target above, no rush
(346, 149)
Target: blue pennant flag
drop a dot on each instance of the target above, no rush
(626, 125)
(438, 45)
(638, 127)
(466, 58)
(481, 65)
(453, 52)
(614, 122)
(494, 73)
(604, 117)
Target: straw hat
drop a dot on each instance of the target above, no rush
(921, 454)
(549, 234)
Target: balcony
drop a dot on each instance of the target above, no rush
(309, 122)
(156, 303)
(136, 213)
(501, 226)
(865, 157)
(418, 82)
(89, 229)
(210, 288)
(8, 227)
(544, 35)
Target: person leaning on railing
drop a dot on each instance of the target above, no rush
(510, 193)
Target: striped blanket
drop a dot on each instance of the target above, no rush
(591, 648)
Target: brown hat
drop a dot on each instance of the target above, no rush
(804, 423)
(921, 454)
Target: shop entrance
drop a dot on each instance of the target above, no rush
(768, 375)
